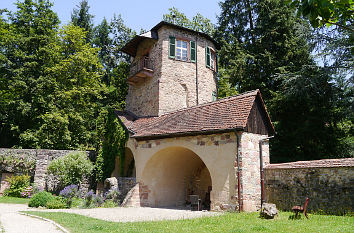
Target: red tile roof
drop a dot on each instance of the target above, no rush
(347, 162)
(223, 115)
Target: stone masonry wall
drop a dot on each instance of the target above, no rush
(178, 78)
(173, 85)
(143, 98)
(43, 158)
(330, 189)
(250, 169)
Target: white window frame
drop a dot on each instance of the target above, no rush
(181, 58)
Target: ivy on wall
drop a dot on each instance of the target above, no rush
(112, 138)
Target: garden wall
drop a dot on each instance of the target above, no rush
(37, 161)
(329, 184)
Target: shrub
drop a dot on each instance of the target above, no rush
(17, 185)
(27, 192)
(113, 195)
(109, 204)
(40, 199)
(71, 168)
(17, 163)
(69, 192)
(89, 197)
(56, 203)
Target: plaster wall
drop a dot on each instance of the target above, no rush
(216, 151)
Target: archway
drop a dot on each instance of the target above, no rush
(127, 169)
(173, 174)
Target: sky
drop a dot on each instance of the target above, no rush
(137, 14)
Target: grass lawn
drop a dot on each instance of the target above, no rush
(14, 200)
(244, 222)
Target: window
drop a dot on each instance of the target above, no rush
(210, 58)
(181, 49)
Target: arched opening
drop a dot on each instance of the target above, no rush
(127, 168)
(174, 173)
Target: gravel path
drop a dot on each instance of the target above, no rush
(13, 222)
(137, 214)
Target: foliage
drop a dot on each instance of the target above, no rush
(113, 144)
(56, 203)
(109, 204)
(198, 23)
(17, 163)
(24, 43)
(68, 193)
(309, 99)
(71, 168)
(17, 185)
(260, 39)
(82, 18)
(89, 197)
(327, 12)
(229, 222)
(41, 199)
(225, 88)
(113, 195)
(27, 192)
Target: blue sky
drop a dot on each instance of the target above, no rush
(136, 14)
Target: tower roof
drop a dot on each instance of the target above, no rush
(131, 47)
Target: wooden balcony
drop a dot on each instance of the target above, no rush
(140, 70)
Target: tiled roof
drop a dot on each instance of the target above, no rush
(347, 162)
(223, 115)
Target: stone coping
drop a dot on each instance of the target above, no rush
(323, 163)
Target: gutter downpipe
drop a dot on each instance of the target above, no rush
(196, 69)
(261, 168)
(240, 201)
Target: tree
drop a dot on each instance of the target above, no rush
(327, 12)
(310, 108)
(25, 49)
(82, 18)
(259, 40)
(198, 23)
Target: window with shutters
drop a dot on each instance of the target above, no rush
(181, 49)
(210, 58)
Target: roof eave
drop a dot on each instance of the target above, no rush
(184, 134)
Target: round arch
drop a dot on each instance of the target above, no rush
(128, 165)
(174, 173)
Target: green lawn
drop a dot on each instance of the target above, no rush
(244, 222)
(14, 200)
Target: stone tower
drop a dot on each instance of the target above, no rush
(172, 68)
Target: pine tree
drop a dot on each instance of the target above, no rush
(82, 18)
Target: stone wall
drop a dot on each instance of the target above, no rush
(178, 78)
(125, 184)
(328, 183)
(43, 157)
(143, 98)
(250, 169)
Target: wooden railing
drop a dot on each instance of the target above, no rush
(142, 64)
